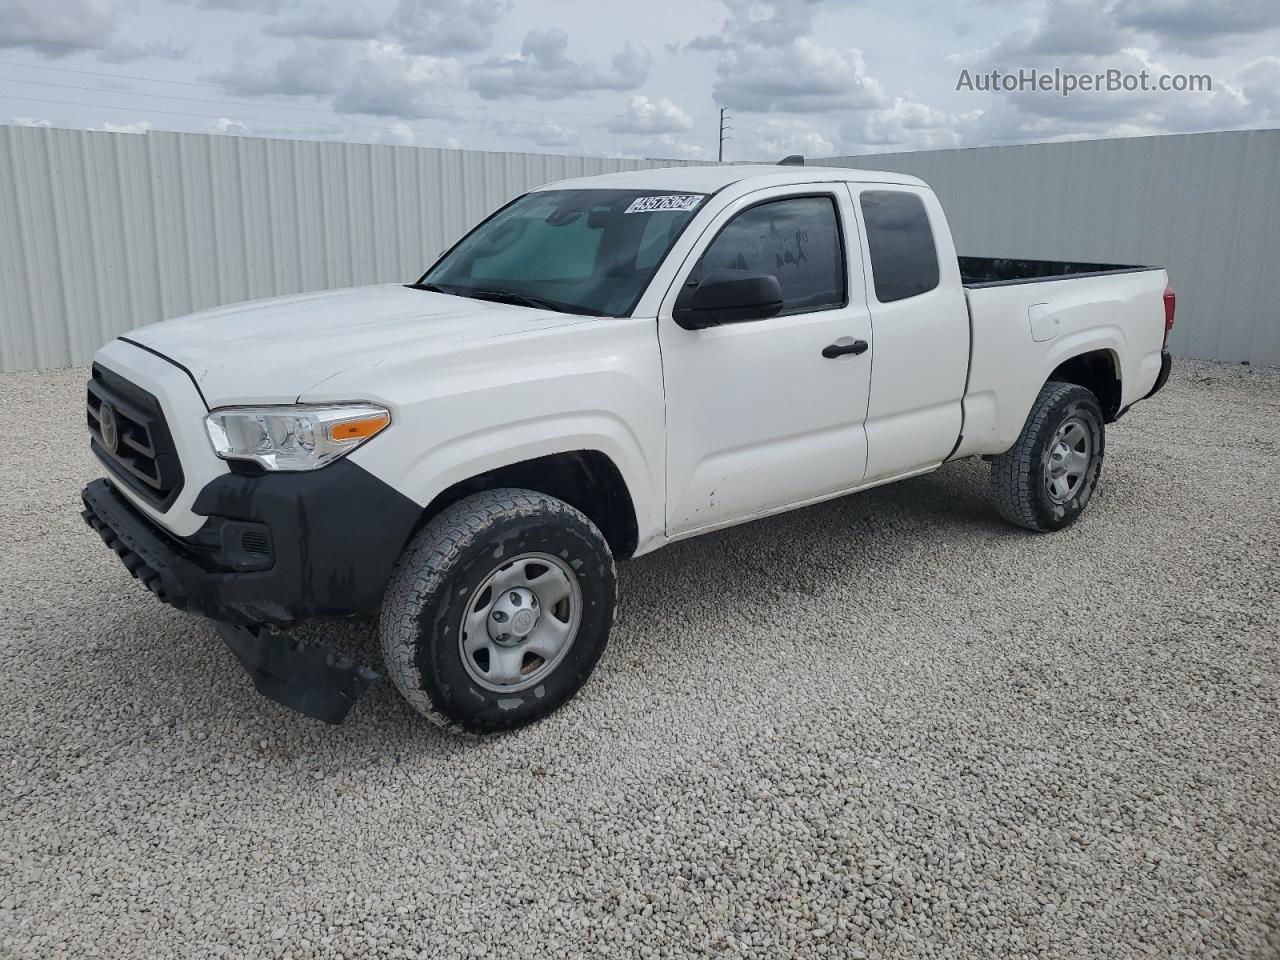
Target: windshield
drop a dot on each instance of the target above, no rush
(579, 251)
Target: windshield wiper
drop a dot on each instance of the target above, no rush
(504, 296)
(526, 300)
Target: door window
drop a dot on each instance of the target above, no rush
(796, 239)
(904, 260)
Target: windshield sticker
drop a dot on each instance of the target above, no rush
(653, 204)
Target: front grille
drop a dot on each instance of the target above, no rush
(132, 439)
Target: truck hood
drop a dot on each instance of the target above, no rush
(273, 351)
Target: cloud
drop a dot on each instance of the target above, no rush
(138, 126)
(542, 69)
(403, 133)
(126, 51)
(228, 126)
(354, 22)
(775, 23)
(58, 28)
(643, 115)
(371, 77)
(543, 132)
(312, 68)
(1093, 37)
(905, 125)
(447, 27)
(1104, 27)
(1259, 81)
(1196, 26)
(431, 27)
(243, 6)
(800, 77)
(1245, 100)
(776, 137)
(1068, 28)
(769, 61)
(667, 147)
(386, 81)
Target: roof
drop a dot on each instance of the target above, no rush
(710, 178)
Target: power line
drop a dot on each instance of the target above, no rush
(264, 120)
(499, 115)
(209, 85)
(502, 139)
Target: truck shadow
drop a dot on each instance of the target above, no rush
(178, 671)
(809, 550)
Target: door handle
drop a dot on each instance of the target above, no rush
(834, 350)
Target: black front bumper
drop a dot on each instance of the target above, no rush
(159, 562)
(276, 548)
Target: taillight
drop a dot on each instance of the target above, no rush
(1170, 301)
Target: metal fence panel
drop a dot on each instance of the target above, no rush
(1206, 205)
(104, 232)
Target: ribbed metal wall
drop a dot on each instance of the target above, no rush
(1207, 206)
(103, 232)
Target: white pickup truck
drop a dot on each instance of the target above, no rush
(600, 368)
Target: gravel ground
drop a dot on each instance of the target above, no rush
(885, 726)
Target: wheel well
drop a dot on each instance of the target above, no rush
(585, 479)
(1096, 371)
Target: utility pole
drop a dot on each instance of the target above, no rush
(723, 135)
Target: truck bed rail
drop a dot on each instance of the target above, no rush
(998, 271)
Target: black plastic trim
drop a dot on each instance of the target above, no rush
(334, 534)
(1166, 365)
(314, 681)
(1064, 268)
(161, 482)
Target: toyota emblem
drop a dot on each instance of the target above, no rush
(107, 427)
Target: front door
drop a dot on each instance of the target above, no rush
(758, 417)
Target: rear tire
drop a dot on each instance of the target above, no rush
(498, 610)
(1047, 478)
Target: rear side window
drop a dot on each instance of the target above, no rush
(797, 240)
(904, 260)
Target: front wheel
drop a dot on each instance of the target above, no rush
(1046, 479)
(498, 610)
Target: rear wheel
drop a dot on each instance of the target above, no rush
(498, 610)
(1047, 478)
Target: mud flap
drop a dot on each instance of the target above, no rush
(313, 681)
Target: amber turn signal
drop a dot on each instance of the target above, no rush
(360, 429)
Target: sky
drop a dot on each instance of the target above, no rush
(642, 78)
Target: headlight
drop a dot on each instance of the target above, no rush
(296, 437)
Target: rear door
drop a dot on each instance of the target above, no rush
(758, 419)
(921, 326)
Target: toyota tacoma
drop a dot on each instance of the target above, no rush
(600, 368)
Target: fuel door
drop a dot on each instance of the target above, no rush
(1044, 322)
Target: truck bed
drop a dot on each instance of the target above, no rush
(997, 271)
(1024, 323)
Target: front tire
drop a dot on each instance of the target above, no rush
(1047, 478)
(498, 610)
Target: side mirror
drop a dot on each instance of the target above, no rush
(728, 296)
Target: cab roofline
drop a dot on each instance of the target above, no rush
(713, 177)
